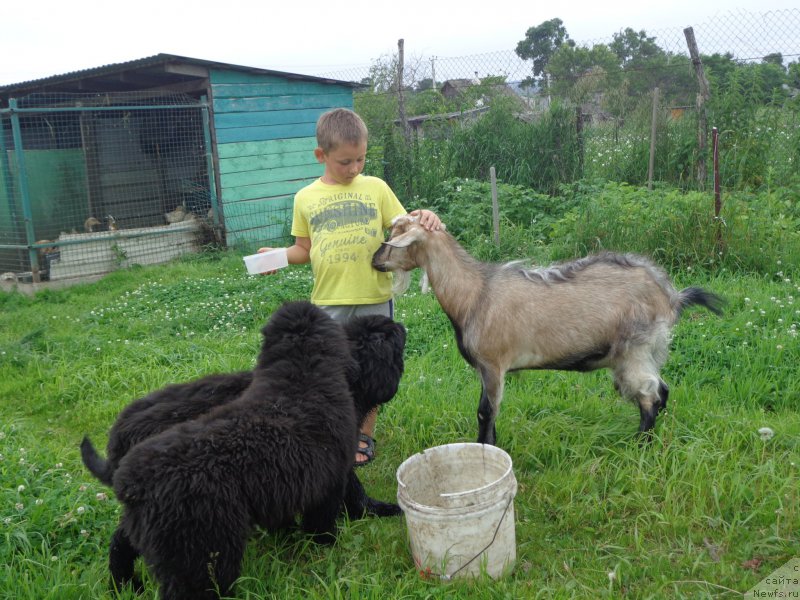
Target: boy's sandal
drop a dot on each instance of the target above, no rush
(368, 450)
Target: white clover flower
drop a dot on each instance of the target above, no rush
(39, 502)
(19, 506)
(21, 489)
(101, 496)
(80, 510)
(766, 433)
(82, 488)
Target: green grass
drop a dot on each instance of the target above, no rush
(597, 516)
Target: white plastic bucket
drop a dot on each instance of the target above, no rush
(458, 500)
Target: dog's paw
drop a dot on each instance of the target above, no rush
(326, 538)
(376, 508)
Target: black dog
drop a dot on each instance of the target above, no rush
(285, 446)
(376, 344)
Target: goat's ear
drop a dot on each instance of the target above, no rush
(404, 219)
(405, 239)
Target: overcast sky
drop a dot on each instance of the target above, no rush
(39, 39)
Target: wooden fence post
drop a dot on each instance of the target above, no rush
(651, 166)
(702, 97)
(495, 207)
(401, 104)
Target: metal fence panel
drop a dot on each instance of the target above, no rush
(92, 183)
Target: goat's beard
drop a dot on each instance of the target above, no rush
(401, 281)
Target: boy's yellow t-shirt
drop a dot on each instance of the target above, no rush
(345, 224)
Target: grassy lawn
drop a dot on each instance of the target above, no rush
(707, 510)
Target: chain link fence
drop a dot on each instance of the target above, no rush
(745, 35)
(104, 181)
(750, 58)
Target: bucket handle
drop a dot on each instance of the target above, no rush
(486, 547)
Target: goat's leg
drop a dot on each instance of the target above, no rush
(651, 407)
(646, 389)
(663, 395)
(491, 396)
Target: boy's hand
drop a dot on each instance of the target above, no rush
(427, 218)
(267, 249)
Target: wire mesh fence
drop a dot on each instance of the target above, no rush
(751, 60)
(747, 36)
(91, 183)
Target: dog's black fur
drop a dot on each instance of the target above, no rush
(376, 343)
(285, 446)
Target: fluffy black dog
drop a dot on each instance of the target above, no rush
(376, 343)
(192, 493)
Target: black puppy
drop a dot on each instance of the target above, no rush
(376, 343)
(192, 493)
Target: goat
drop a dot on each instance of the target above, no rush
(613, 311)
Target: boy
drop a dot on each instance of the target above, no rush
(338, 223)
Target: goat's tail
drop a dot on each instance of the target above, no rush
(696, 295)
(97, 465)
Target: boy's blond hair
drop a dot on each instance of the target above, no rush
(339, 126)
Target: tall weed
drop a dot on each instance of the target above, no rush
(679, 230)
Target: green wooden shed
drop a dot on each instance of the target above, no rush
(133, 143)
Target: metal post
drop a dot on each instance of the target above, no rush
(212, 185)
(27, 212)
(6, 169)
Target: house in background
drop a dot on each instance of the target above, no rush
(128, 144)
(453, 88)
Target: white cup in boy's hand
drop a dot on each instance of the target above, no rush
(267, 261)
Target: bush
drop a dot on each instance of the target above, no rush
(465, 205)
(679, 230)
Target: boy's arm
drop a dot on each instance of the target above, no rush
(300, 252)
(297, 254)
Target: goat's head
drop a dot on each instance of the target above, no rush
(401, 252)
(398, 252)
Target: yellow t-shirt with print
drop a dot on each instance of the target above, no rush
(345, 224)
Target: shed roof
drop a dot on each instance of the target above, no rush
(160, 72)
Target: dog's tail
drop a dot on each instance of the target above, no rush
(97, 465)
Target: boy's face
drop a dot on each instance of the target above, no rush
(343, 163)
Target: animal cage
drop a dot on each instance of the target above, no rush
(90, 183)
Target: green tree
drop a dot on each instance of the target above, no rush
(719, 68)
(579, 71)
(634, 47)
(793, 75)
(540, 43)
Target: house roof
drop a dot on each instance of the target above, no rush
(160, 72)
